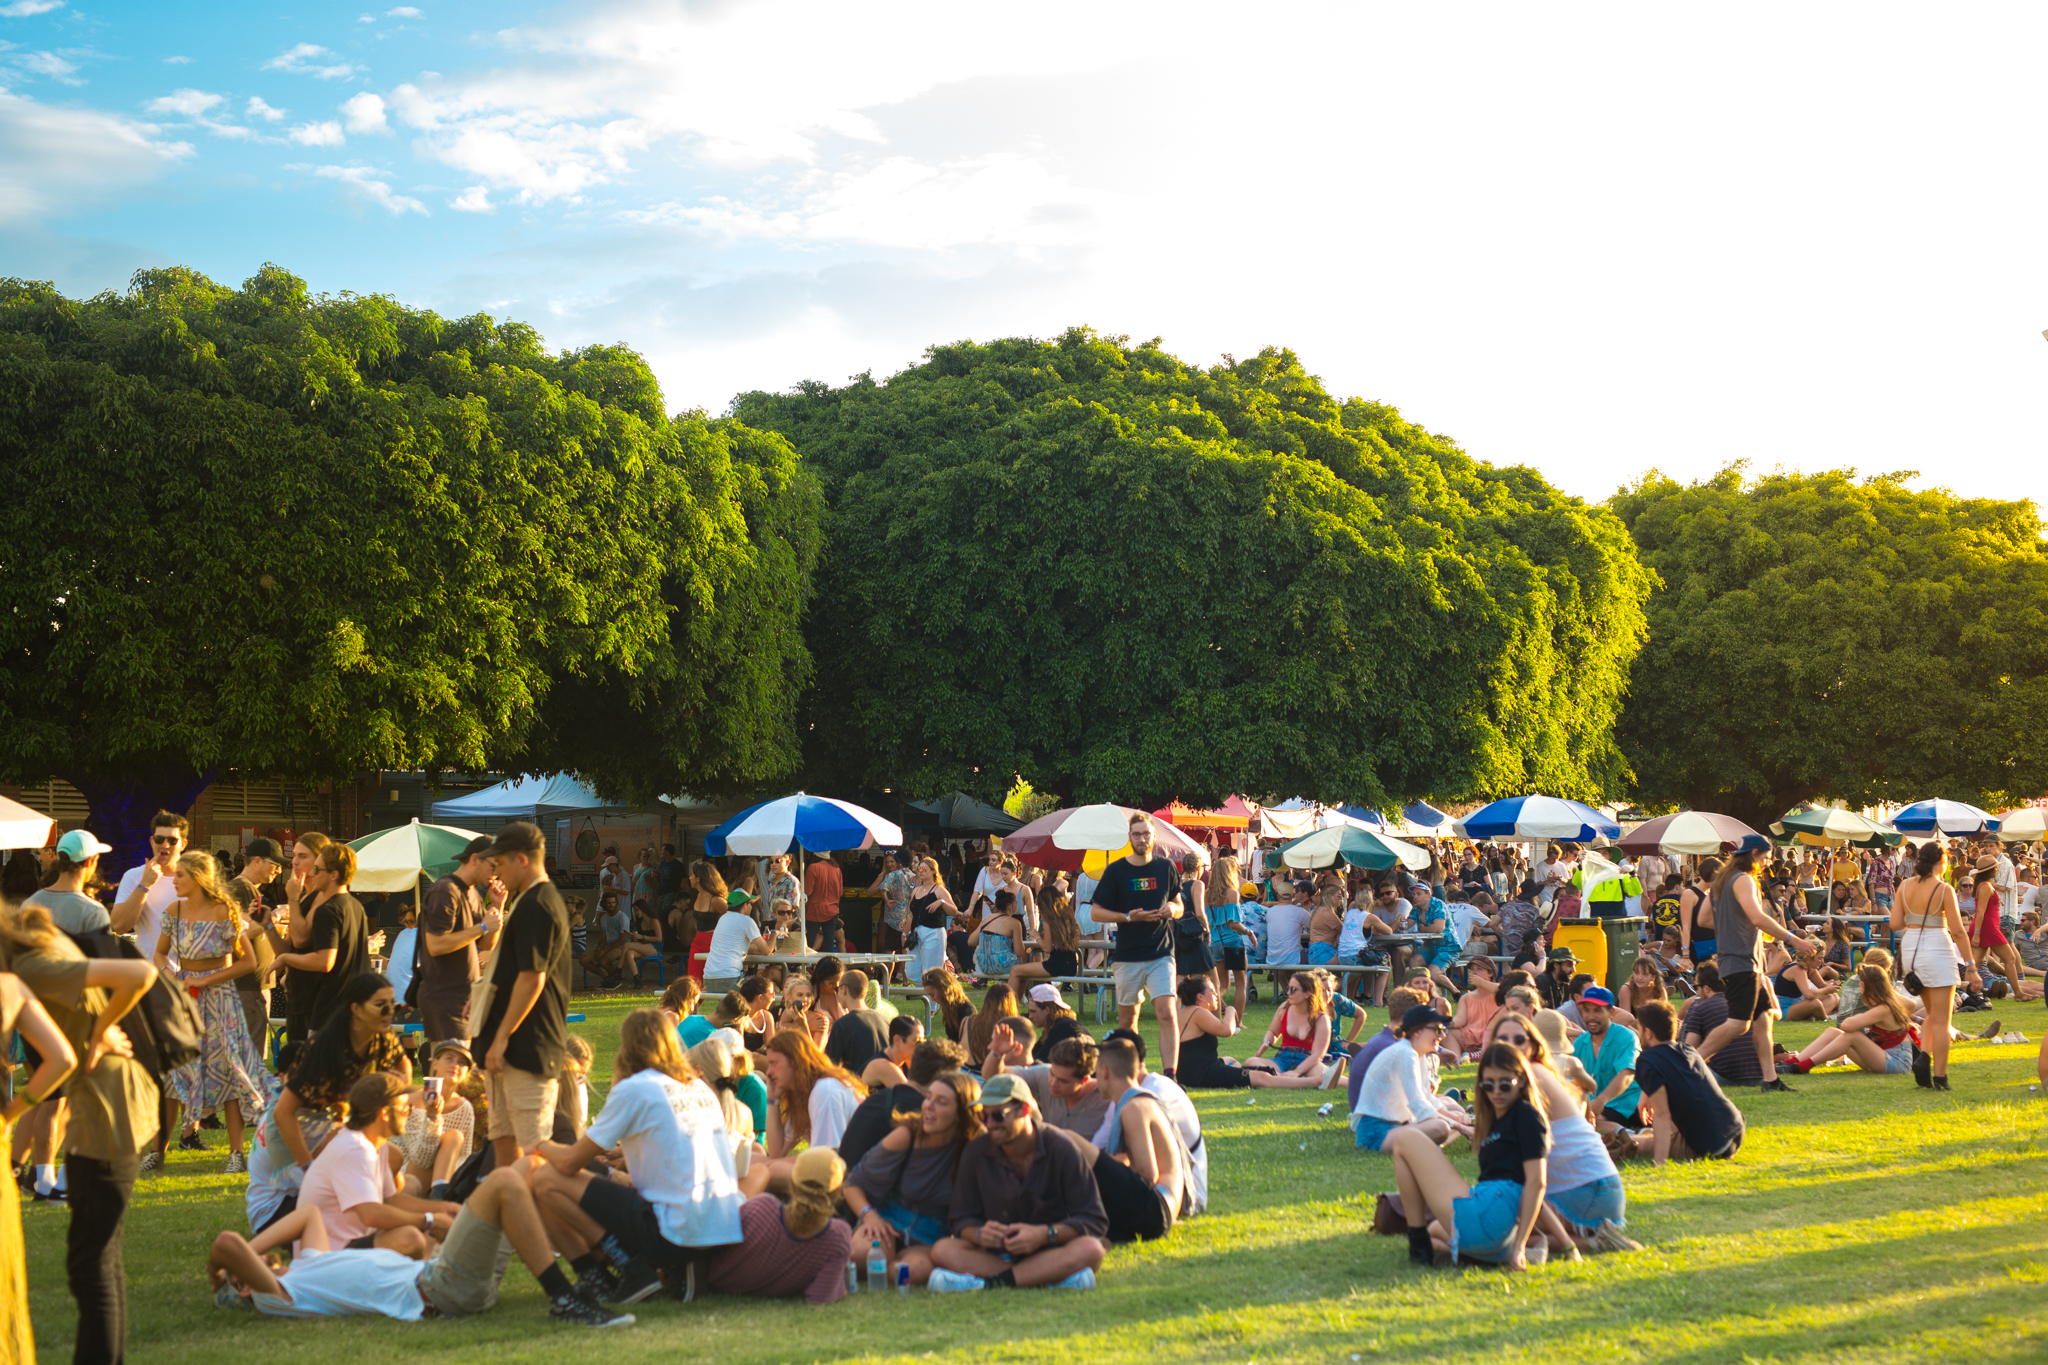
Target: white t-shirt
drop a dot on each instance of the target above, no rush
(273, 1173)
(729, 939)
(679, 1154)
(149, 926)
(832, 1106)
(343, 1283)
(1285, 924)
(1464, 920)
(351, 1171)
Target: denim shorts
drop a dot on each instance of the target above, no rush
(1371, 1132)
(1288, 1058)
(1321, 954)
(1586, 1205)
(919, 1230)
(1483, 1221)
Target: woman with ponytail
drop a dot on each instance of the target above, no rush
(801, 1249)
(1933, 951)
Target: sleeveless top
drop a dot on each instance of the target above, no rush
(1199, 1052)
(926, 912)
(1289, 1040)
(195, 940)
(1737, 942)
(1927, 916)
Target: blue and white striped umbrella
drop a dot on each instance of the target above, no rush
(1944, 817)
(818, 824)
(1537, 817)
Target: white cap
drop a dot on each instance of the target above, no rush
(1045, 993)
(79, 844)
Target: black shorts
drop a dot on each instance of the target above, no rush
(1062, 962)
(624, 1212)
(834, 927)
(1748, 997)
(1137, 1211)
(1628, 1121)
(1232, 959)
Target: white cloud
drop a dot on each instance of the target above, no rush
(189, 103)
(325, 134)
(403, 12)
(364, 113)
(475, 199)
(301, 60)
(177, 61)
(22, 9)
(48, 64)
(56, 160)
(366, 18)
(259, 108)
(371, 183)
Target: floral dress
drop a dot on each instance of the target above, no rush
(895, 889)
(228, 1066)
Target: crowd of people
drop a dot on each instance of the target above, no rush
(771, 1129)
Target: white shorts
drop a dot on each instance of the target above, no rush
(1136, 980)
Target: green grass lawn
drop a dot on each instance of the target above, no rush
(1865, 1220)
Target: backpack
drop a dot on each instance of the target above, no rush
(164, 1027)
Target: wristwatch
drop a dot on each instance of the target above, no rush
(1052, 1234)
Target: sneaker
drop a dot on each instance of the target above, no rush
(227, 1296)
(1778, 1086)
(1084, 1278)
(598, 1284)
(1608, 1237)
(236, 1164)
(682, 1284)
(953, 1282)
(581, 1311)
(637, 1280)
(152, 1161)
(192, 1142)
(51, 1196)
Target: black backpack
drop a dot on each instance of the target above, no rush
(164, 1026)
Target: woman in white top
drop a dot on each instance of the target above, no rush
(810, 1100)
(1584, 1189)
(736, 934)
(1932, 947)
(1399, 1090)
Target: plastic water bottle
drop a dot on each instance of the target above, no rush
(902, 1278)
(852, 1277)
(878, 1267)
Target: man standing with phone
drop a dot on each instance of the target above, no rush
(526, 1029)
(455, 927)
(1141, 896)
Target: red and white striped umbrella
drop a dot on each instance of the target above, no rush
(1065, 838)
(1696, 832)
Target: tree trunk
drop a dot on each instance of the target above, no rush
(122, 805)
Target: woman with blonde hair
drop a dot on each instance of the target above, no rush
(1878, 1037)
(797, 1249)
(685, 1194)
(999, 1003)
(929, 903)
(1300, 1034)
(901, 1194)
(20, 1011)
(1227, 930)
(949, 1002)
(1552, 1028)
(203, 929)
(810, 1097)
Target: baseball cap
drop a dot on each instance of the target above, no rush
(1597, 995)
(263, 846)
(79, 844)
(476, 847)
(1001, 1089)
(736, 896)
(1045, 993)
(455, 1045)
(1419, 1016)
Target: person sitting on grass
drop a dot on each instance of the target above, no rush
(1575, 993)
(1495, 1219)
(1690, 1117)
(1063, 1090)
(1584, 1189)
(1054, 1019)
(684, 1196)
(679, 1006)
(1645, 982)
(1608, 1052)
(1180, 1111)
(1026, 1210)
(1476, 1008)
(788, 1251)
(1399, 1091)
(885, 1069)
(1301, 1033)
(326, 1280)
(1399, 1001)
(901, 1194)
(1200, 1028)
(1143, 1173)
(1707, 1011)
(1802, 991)
(352, 1184)
(1556, 1038)
(1878, 1037)
(875, 1117)
(442, 1129)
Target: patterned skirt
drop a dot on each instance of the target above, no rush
(229, 1066)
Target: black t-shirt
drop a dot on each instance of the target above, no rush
(872, 1121)
(535, 939)
(857, 1038)
(1063, 1027)
(340, 924)
(668, 880)
(1128, 886)
(1704, 1117)
(1522, 1134)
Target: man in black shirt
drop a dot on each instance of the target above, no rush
(860, 1034)
(1141, 896)
(525, 1031)
(337, 947)
(454, 931)
(1693, 1118)
(871, 1122)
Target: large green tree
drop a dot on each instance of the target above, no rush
(258, 530)
(1820, 635)
(1123, 577)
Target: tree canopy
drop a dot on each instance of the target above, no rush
(260, 530)
(1816, 635)
(1123, 577)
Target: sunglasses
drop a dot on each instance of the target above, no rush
(163, 839)
(383, 1006)
(1512, 1039)
(1500, 1087)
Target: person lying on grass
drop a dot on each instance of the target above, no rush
(1399, 1091)
(1584, 1189)
(325, 1281)
(1879, 1037)
(1690, 1118)
(1496, 1219)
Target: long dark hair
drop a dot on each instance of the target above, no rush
(1499, 1057)
(1743, 860)
(328, 1064)
(1930, 858)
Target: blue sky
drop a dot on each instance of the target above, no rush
(1592, 239)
